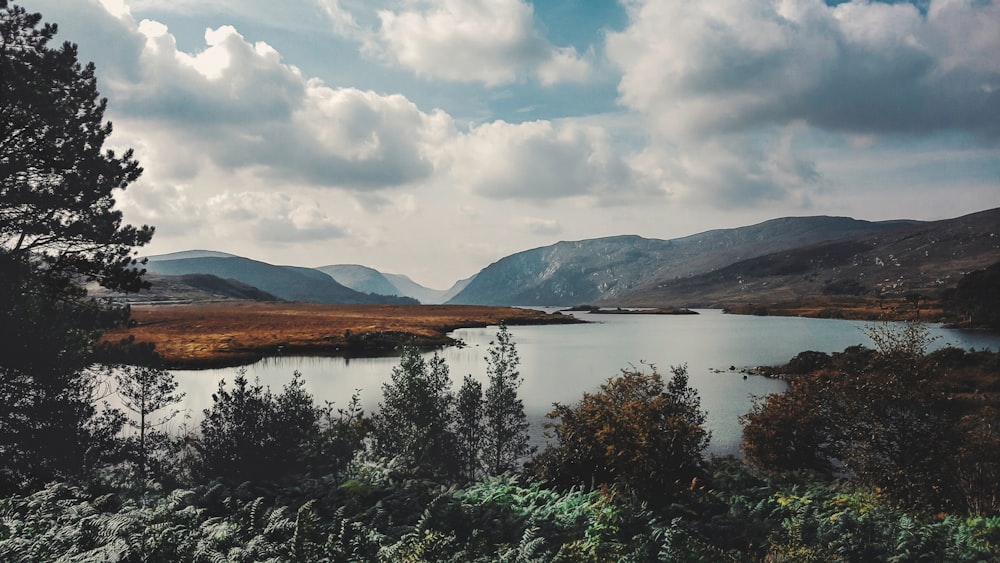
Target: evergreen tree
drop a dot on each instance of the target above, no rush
(469, 427)
(414, 424)
(58, 231)
(145, 391)
(506, 425)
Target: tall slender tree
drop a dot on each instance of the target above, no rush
(506, 425)
(469, 428)
(145, 391)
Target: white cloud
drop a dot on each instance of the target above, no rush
(238, 105)
(272, 217)
(488, 41)
(540, 160)
(700, 68)
(540, 226)
(718, 84)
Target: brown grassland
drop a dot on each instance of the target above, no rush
(221, 334)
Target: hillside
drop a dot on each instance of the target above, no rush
(285, 282)
(188, 288)
(606, 269)
(922, 259)
(370, 280)
(426, 295)
(360, 278)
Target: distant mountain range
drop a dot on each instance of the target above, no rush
(290, 283)
(370, 280)
(785, 258)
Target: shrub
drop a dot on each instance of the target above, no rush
(637, 432)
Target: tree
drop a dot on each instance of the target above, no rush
(506, 426)
(469, 428)
(145, 391)
(235, 442)
(413, 427)
(56, 184)
(58, 231)
(637, 432)
(976, 298)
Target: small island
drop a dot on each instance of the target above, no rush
(595, 310)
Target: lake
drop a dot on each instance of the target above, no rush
(561, 362)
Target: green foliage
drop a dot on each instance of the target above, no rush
(413, 427)
(637, 432)
(505, 439)
(251, 434)
(59, 229)
(739, 517)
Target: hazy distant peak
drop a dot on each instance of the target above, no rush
(186, 254)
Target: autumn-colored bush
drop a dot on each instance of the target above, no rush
(637, 432)
(895, 419)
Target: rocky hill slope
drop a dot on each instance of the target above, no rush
(920, 259)
(607, 269)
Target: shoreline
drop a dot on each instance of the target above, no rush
(214, 335)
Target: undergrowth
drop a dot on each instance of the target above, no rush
(369, 515)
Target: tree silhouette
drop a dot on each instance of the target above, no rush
(58, 231)
(145, 391)
(506, 426)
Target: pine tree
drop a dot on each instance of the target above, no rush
(145, 391)
(469, 430)
(414, 424)
(59, 229)
(506, 425)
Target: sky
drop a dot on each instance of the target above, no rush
(433, 137)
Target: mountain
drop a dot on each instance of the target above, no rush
(370, 280)
(286, 282)
(604, 269)
(188, 288)
(423, 294)
(189, 254)
(922, 259)
(362, 278)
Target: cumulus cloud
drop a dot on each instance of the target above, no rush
(237, 105)
(720, 83)
(161, 204)
(488, 41)
(541, 160)
(701, 68)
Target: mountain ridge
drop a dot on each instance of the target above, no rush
(291, 283)
(575, 272)
(631, 270)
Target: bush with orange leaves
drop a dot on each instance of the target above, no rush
(638, 432)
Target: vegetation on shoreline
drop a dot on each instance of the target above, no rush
(231, 334)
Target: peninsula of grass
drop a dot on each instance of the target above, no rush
(230, 334)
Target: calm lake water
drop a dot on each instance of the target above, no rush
(561, 362)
